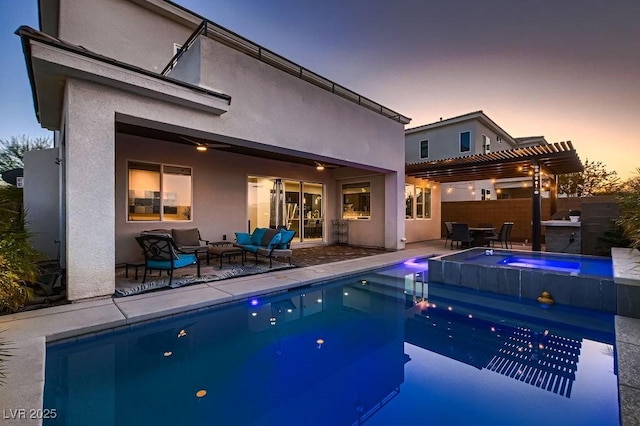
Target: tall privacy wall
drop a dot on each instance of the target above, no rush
(598, 216)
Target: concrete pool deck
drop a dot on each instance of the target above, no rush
(29, 331)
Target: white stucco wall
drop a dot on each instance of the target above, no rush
(425, 229)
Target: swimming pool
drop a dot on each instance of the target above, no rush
(385, 347)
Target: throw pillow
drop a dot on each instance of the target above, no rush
(268, 235)
(287, 237)
(243, 238)
(186, 237)
(256, 236)
(274, 241)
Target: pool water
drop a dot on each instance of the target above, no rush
(571, 264)
(382, 348)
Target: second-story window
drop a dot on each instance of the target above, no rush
(424, 149)
(486, 144)
(465, 141)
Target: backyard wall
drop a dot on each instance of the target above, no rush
(598, 216)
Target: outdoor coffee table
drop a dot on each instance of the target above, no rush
(226, 250)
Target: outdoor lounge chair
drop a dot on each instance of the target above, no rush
(161, 253)
(266, 242)
(461, 235)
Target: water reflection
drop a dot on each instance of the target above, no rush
(336, 354)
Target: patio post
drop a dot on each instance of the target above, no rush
(536, 206)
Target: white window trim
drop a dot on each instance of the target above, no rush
(420, 149)
(460, 141)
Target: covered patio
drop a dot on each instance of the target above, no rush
(550, 160)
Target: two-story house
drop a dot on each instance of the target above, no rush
(464, 135)
(164, 119)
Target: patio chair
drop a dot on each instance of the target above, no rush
(503, 236)
(461, 235)
(161, 253)
(448, 232)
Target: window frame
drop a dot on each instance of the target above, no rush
(426, 195)
(421, 147)
(468, 132)
(355, 184)
(412, 199)
(486, 144)
(161, 205)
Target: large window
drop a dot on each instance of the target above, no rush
(465, 141)
(159, 192)
(356, 200)
(424, 149)
(420, 197)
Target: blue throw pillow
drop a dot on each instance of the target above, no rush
(274, 241)
(256, 236)
(243, 238)
(287, 236)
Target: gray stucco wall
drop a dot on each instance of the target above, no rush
(123, 30)
(272, 107)
(444, 142)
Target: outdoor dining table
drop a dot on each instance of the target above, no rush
(479, 233)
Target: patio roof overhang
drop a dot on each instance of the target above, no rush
(554, 159)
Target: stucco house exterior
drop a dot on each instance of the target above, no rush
(164, 119)
(464, 135)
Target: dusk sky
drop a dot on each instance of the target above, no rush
(565, 70)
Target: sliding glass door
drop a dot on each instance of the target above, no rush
(274, 202)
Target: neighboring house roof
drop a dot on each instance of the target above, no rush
(28, 35)
(476, 115)
(531, 141)
(556, 158)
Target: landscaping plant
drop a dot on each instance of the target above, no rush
(629, 199)
(4, 354)
(18, 259)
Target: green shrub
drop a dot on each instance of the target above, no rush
(629, 200)
(18, 260)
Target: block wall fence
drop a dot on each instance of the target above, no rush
(598, 215)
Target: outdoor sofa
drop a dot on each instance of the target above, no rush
(266, 242)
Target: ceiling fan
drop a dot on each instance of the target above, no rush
(203, 146)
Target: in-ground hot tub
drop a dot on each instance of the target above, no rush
(576, 280)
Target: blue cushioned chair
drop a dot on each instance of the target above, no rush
(162, 253)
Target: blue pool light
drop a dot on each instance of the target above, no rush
(254, 302)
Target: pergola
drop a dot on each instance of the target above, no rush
(552, 160)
